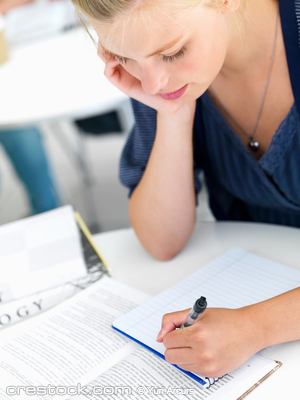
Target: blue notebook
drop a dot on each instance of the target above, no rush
(236, 279)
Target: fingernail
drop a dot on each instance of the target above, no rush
(159, 334)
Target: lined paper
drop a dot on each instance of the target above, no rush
(236, 279)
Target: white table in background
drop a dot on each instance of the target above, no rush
(60, 76)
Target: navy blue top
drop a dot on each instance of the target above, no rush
(240, 187)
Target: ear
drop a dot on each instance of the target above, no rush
(230, 6)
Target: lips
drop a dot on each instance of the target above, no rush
(174, 95)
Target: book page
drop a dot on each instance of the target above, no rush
(73, 343)
(234, 280)
(14, 311)
(39, 253)
(144, 375)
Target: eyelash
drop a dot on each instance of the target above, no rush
(121, 60)
(177, 56)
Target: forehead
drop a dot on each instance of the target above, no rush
(144, 30)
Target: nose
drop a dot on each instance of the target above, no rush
(153, 79)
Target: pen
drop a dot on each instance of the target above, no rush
(198, 308)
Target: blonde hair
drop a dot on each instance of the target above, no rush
(109, 10)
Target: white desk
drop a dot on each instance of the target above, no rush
(132, 265)
(57, 77)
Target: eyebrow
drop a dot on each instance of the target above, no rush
(167, 46)
(160, 50)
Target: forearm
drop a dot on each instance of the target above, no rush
(162, 207)
(278, 319)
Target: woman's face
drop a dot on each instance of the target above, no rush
(167, 50)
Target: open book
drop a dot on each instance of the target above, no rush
(72, 350)
(45, 259)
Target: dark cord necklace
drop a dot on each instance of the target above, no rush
(254, 144)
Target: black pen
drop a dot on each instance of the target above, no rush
(198, 308)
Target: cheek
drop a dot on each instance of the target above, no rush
(206, 64)
(190, 67)
(215, 52)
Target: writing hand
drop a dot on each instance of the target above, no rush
(220, 341)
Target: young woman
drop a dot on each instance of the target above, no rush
(216, 87)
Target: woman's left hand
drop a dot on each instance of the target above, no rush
(220, 341)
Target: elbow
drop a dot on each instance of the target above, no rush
(163, 241)
(163, 254)
(163, 251)
(162, 247)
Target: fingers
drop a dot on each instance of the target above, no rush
(170, 322)
(182, 356)
(102, 53)
(179, 338)
(110, 70)
(191, 361)
(199, 362)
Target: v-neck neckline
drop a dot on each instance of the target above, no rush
(274, 149)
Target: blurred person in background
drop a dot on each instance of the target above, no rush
(25, 149)
(6, 5)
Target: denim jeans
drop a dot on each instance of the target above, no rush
(25, 150)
